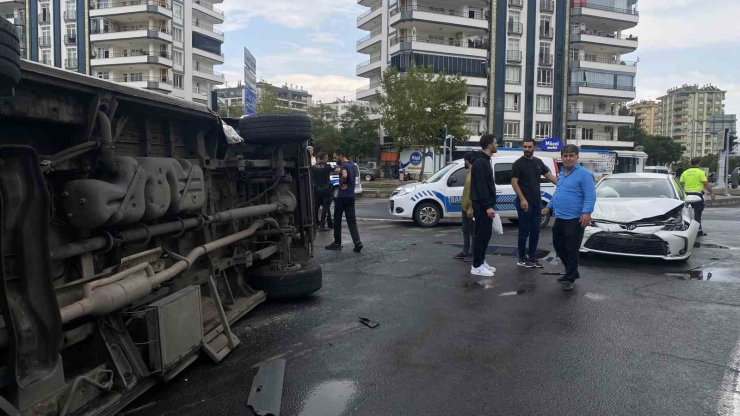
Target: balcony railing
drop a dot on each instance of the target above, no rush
(200, 91)
(546, 32)
(471, 74)
(369, 87)
(587, 5)
(514, 108)
(547, 6)
(70, 15)
(70, 63)
(372, 34)
(602, 34)
(592, 110)
(45, 41)
(207, 71)
(610, 61)
(372, 9)
(206, 50)
(602, 86)
(516, 28)
(111, 5)
(164, 80)
(100, 31)
(516, 3)
(545, 59)
(593, 136)
(440, 41)
(368, 62)
(513, 56)
(207, 27)
(44, 18)
(46, 61)
(440, 10)
(70, 39)
(129, 54)
(208, 6)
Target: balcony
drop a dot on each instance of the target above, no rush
(46, 62)
(45, 41)
(70, 63)
(516, 4)
(607, 42)
(591, 89)
(18, 18)
(438, 45)
(160, 84)
(476, 109)
(594, 115)
(132, 58)
(440, 15)
(200, 94)
(132, 9)
(547, 6)
(70, 39)
(207, 30)
(372, 65)
(208, 74)
(208, 10)
(604, 64)
(598, 140)
(370, 19)
(516, 29)
(547, 33)
(370, 43)
(514, 56)
(211, 56)
(44, 18)
(368, 91)
(589, 13)
(130, 32)
(545, 59)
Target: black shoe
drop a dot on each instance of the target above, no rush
(568, 286)
(461, 255)
(358, 247)
(563, 279)
(525, 263)
(536, 263)
(701, 233)
(334, 246)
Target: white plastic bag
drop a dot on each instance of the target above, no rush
(498, 228)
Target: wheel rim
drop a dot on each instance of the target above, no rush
(368, 178)
(428, 215)
(543, 220)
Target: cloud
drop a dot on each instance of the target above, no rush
(654, 87)
(324, 37)
(325, 88)
(287, 13)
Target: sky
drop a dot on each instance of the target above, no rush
(311, 44)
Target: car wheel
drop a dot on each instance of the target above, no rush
(336, 192)
(368, 178)
(545, 220)
(10, 58)
(299, 281)
(427, 214)
(275, 128)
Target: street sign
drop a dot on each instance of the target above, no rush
(551, 145)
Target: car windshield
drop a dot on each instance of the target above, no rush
(441, 173)
(635, 188)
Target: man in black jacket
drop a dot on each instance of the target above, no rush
(483, 198)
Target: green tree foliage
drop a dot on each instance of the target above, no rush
(359, 134)
(267, 103)
(231, 111)
(415, 105)
(325, 137)
(662, 150)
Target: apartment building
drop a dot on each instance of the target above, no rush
(340, 106)
(646, 113)
(556, 65)
(169, 46)
(684, 112)
(295, 99)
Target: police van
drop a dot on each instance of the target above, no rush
(440, 196)
(334, 178)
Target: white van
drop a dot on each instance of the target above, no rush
(441, 195)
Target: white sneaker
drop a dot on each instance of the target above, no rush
(489, 267)
(481, 271)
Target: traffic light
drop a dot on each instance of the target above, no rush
(731, 142)
(453, 144)
(442, 134)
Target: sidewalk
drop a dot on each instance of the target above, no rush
(722, 201)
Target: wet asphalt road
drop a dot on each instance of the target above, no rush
(634, 338)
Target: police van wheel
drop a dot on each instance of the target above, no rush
(427, 214)
(545, 219)
(335, 192)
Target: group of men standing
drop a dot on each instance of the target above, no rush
(571, 205)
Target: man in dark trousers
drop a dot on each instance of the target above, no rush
(483, 199)
(345, 203)
(694, 181)
(525, 179)
(321, 176)
(571, 205)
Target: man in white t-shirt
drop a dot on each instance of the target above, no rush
(310, 154)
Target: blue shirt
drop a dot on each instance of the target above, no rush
(351, 177)
(575, 194)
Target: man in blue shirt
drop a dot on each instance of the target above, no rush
(345, 203)
(571, 205)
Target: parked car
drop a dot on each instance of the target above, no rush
(369, 174)
(642, 215)
(656, 169)
(335, 181)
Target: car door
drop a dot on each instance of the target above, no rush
(454, 187)
(505, 195)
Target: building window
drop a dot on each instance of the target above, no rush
(177, 34)
(513, 75)
(46, 58)
(177, 10)
(544, 104)
(474, 100)
(544, 77)
(512, 102)
(103, 74)
(177, 57)
(543, 130)
(511, 129)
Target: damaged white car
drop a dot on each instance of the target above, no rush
(642, 215)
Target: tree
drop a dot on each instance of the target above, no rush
(267, 103)
(359, 134)
(231, 111)
(633, 133)
(662, 150)
(414, 106)
(325, 137)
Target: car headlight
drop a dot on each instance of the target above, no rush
(403, 191)
(682, 226)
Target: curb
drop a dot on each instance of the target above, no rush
(726, 202)
(375, 194)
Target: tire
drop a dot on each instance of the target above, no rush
(545, 219)
(275, 128)
(368, 178)
(335, 192)
(10, 58)
(427, 214)
(287, 284)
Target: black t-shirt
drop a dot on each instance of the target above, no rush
(529, 171)
(320, 174)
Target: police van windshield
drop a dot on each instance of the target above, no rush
(441, 173)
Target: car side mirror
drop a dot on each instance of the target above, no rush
(451, 181)
(692, 199)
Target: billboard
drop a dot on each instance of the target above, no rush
(250, 101)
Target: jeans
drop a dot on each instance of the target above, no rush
(483, 225)
(323, 200)
(345, 206)
(567, 236)
(529, 228)
(698, 207)
(468, 229)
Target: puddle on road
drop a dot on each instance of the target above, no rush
(710, 245)
(481, 284)
(707, 275)
(329, 399)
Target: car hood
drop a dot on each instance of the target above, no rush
(629, 210)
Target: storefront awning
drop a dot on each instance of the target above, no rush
(389, 157)
(631, 154)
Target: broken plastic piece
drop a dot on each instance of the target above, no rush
(231, 135)
(369, 323)
(267, 388)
